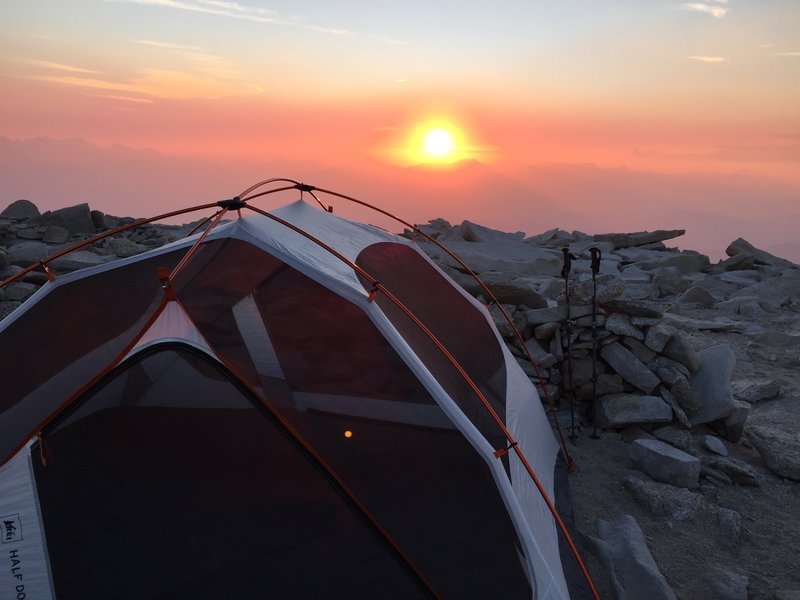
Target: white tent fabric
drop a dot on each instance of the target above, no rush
(525, 418)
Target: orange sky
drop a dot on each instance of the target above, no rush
(677, 88)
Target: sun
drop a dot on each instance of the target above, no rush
(437, 143)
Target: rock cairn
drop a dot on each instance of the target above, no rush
(648, 371)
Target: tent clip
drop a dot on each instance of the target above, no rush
(235, 203)
(503, 451)
(46, 269)
(166, 284)
(374, 291)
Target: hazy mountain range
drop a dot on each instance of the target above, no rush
(714, 209)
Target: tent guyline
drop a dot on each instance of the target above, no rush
(240, 202)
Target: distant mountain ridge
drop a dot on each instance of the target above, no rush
(714, 209)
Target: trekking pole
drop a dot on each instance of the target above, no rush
(568, 325)
(596, 255)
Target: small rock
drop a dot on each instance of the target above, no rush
(656, 338)
(680, 438)
(668, 370)
(680, 414)
(31, 233)
(542, 358)
(684, 395)
(666, 463)
(714, 444)
(697, 296)
(546, 330)
(638, 349)
(677, 348)
(124, 247)
(739, 472)
(669, 283)
(709, 473)
(756, 391)
(55, 235)
(730, 525)
(503, 326)
(621, 325)
(730, 586)
(19, 291)
(732, 426)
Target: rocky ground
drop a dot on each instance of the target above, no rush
(690, 487)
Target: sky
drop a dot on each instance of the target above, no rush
(566, 104)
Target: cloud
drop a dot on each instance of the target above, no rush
(235, 10)
(708, 59)
(169, 45)
(716, 10)
(47, 64)
(787, 54)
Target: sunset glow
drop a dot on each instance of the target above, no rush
(692, 94)
(438, 143)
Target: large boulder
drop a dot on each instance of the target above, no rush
(778, 442)
(639, 238)
(472, 232)
(28, 252)
(21, 209)
(629, 367)
(686, 262)
(620, 410)
(622, 549)
(75, 219)
(711, 384)
(743, 247)
(666, 463)
(663, 499)
(511, 257)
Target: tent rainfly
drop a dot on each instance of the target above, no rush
(287, 405)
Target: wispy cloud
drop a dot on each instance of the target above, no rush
(50, 65)
(717, 9)
(787, 54)
(235, 10)
(708, 59)
(169, 45)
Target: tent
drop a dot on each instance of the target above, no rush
(289, 404)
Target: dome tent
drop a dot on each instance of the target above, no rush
(289, 405)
